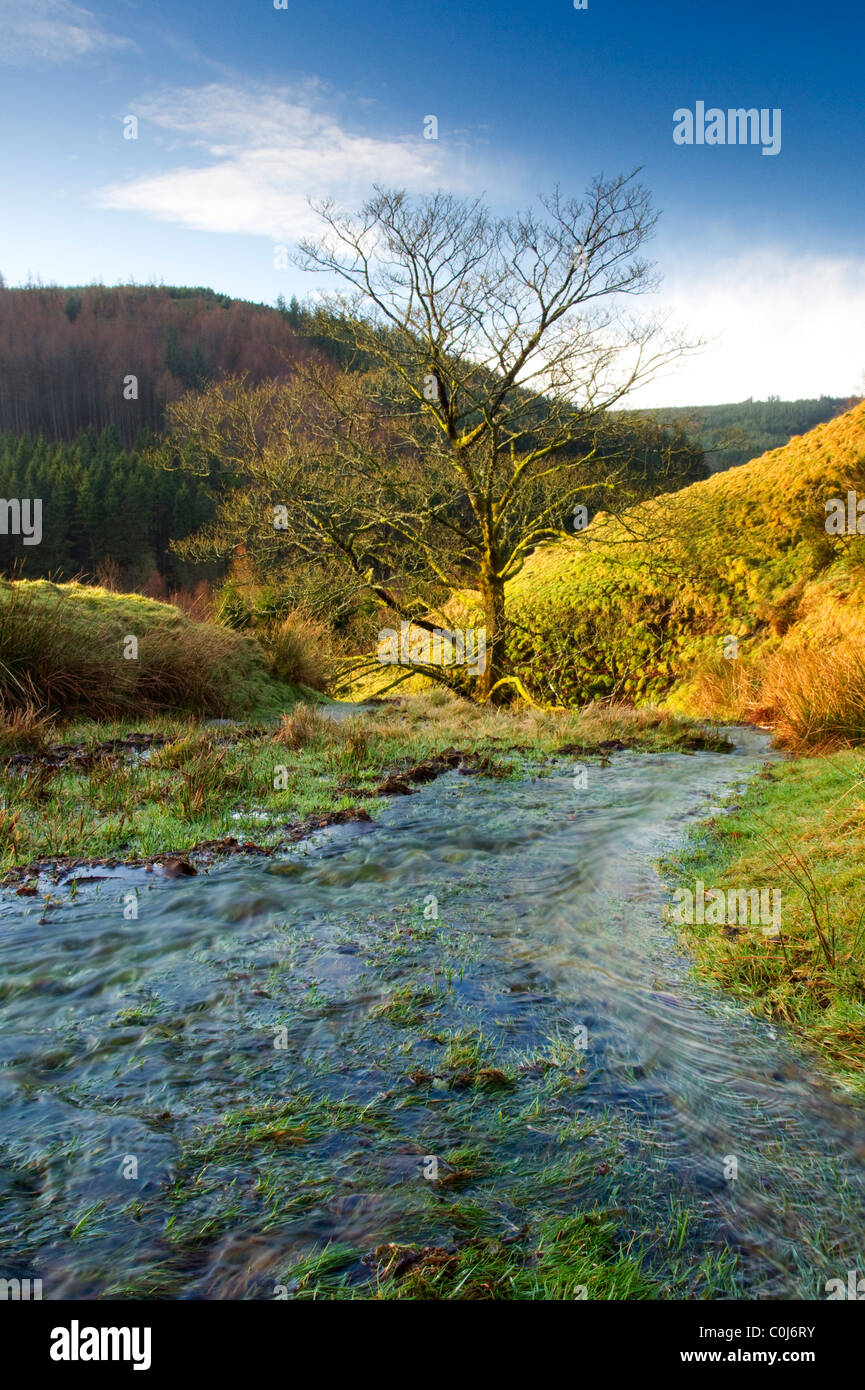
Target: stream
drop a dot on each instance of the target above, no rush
(204, 1081)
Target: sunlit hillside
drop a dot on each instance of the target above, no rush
(647, 605)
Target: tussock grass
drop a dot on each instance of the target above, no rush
(816, 698)
(303, 726)
(24, 728)
(302, 651)
(62, 649)
(810, 685)
(727, 690)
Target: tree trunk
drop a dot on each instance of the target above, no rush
(493, 596)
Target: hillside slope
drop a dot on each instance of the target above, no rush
(78, 649)
(645, 606)
(68, 356)
(735, 433)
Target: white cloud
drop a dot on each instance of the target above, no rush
(51, 31)
(261, 153)
(780, 323)
(246, 161)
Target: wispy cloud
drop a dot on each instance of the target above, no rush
(247, 160)
(253, 157)
(779, 323)
(51, 31)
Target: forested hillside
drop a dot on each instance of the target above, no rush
(66, 355)
(97, 357)
(86, 380)
(733, 434)
(87, 375)
(103, 505)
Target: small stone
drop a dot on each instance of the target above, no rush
(178, 868)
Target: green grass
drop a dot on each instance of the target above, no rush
(799, 827)
(576, 1257)
(640, 609)
(500, 1220)
(205, 784)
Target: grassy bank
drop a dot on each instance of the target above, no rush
(190, 784)
(798, 827)
(75, 648)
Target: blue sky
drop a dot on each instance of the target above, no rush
(245, 110)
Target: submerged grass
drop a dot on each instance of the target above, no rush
(577, 1257)
(497, 1218)
(206, 783)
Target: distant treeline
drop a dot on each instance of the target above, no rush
(102, 506)
(733, 434)
(67, 355)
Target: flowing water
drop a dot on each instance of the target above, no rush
(203, 1080)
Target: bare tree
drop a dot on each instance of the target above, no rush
(313, 473)
(507, 340)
